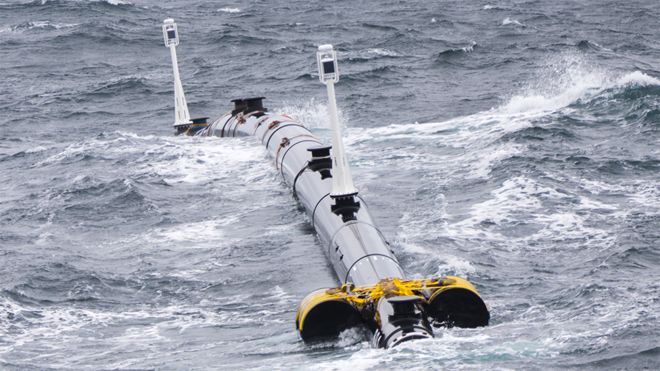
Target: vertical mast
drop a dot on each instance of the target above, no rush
(171, 37)
(343, 190)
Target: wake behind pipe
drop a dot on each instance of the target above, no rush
(374, 290)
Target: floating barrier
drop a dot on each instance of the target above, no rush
(374, 291)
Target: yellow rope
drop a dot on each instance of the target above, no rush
(388, 287)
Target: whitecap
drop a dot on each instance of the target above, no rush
(229, 10)
(383, 52)
(311, 113)
(38, 25)
(637, 78)
(111, 2)
(470, 47)
(508, 21)
(454, 265)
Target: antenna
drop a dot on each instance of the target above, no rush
(171, 37)
(343, 190)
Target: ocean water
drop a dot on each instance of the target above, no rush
(514, 143)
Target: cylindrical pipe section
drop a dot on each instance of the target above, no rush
(357, 249)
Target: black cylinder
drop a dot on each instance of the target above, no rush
(400, 318)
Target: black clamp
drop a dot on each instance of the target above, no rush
(248, 105)
(192, 127)
(345, 206)
(321, 161)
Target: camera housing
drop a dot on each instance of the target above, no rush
(170, 33)
(326, 58)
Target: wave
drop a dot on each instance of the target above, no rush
(120, 33)
(586, 45)
(508, 21)
(581, 87)
(121, 85)
(372, 73)
(311, 113)
(571, 79)
(229, 10)
(379, 27)
(105, 2)
(565, 81)
(370, 54)
(569, 86)
(37, 25)
(239, 39)
(89, 4)
(456, 52)
(646, 359)
(493, 7)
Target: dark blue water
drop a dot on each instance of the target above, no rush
(515, 143)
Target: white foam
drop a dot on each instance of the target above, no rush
(587, 203)
(36, 149)
(524, 200)
(413, 248)
(645, 194)
(36, 25)
(516, 196)
(192, 234)
(351, 336)
(111, 2)
(199, 160)
(460, 347)
(229, 10)
(455, 265)
(470, 47)
(569, 78)
(48, 24)
(383, 52)
(637, 78)
(311, 113)
(577, 84)
(508, 21)
(481, 166)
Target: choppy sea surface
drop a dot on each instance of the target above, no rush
(514, 143)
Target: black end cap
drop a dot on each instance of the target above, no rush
(458, 307)
(328, 319)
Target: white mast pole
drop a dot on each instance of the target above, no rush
(171, 36)
(342, 181)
